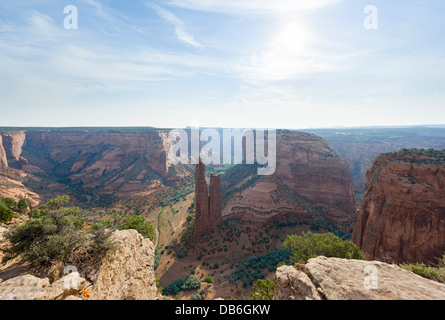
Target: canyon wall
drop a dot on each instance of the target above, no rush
(3, 158)
(402, 216)
(311, 181)
(108, 161)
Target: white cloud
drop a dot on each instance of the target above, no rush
(180, 31)
(253, 6)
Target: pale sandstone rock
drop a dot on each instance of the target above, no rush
(29, 287)
(25, 287)
(345, 279)
(128, 273)
(292, 284)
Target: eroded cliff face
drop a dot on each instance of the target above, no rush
(402, 216)
(13, 143)
(110, 162)
(3, 159)
(311, 181)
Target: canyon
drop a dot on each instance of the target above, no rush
(311, 182)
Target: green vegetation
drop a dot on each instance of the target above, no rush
(125, 221)
(9, 206)
(5, 213)
(311, 245)
(189, 283)
(55, 233)
(208, 279)
(189, 218)
(263, 290)
(436, 273)
(251, 268)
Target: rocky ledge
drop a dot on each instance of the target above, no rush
(344, 279)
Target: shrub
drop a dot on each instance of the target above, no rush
(5, 213)
(208, 279)
(311, 245)
(125, 221)
(428, 272)
(196, 297)
(9, 203)
(52, 236)
(54, 233)
(263, 290)
(191, 283)
(100, 240)
(174, 287)
(189, 218)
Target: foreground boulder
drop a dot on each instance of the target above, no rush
(128, 273)
(124, 274)
(344, 279)
(29, 287)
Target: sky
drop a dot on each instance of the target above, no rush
(235, 63)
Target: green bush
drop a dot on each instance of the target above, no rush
(9, 202)
(208, 279)
(191, 283)
(5, 213)
(196, 297)
(263, 290)
(189, 218)
(52, 236)
(428, 272)
(311, 245)
(125, 221)
(54, 233)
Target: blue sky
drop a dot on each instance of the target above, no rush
(233, 63)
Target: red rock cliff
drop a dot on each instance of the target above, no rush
(311, 182)
(207, 203)
(402, 216)
(3, 159)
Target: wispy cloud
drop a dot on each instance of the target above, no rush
(180, 31)
(253, 6)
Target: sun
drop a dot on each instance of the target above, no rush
(295, 38)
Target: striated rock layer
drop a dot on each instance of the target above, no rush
(118, 162)
(311, 182)
(345, 279)
(402, 216)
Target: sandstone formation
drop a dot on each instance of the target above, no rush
(128, 273)
(112, 162)
(208, 202)
(3, 158)
(29, 287)
(125, 274)
(402, 216)
(345, 279)
(311, 182)
(13, 143)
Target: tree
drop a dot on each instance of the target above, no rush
(208, 279)
(263, 290)
(189, 218)
(9, 203)
(311, 245)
